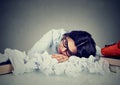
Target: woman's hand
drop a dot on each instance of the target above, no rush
(60, 57)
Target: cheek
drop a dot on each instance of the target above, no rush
(59, 47)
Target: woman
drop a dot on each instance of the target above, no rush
(61, 45)
(65, 44)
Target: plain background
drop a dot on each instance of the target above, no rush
(23, 22)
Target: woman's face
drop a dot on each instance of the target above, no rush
(67, 47)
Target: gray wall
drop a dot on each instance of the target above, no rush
(23, 22)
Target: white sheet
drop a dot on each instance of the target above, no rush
(39, 77)
(49, 66)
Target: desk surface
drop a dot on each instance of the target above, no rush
(37, 78)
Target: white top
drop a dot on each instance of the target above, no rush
(49, 42)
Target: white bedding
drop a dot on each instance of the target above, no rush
(49, 66)
(89, 72)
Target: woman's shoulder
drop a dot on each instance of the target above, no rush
(57, 33)
(58, 30)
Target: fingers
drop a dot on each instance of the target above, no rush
(63, 59)
(59, 57)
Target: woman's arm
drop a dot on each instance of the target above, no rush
(7, 68)
(41, 45)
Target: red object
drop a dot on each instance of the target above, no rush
(111, 50)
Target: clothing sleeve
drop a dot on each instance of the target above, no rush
(41, 45)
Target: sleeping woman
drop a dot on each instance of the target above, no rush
(60, 44)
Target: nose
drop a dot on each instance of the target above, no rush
(63, 50)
